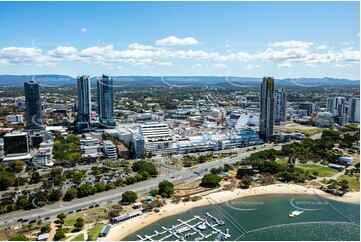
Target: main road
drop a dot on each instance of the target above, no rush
(173, 175)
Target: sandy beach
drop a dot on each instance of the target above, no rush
(121, 230)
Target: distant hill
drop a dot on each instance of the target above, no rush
(62, 80)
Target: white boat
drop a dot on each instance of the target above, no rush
(202, 226)
(295, 213)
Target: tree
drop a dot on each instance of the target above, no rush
(227, 167)
(22, 202)
(45, 229)
(286, 175)
(79, 224)
(241, 172)
(55, 195)
(187, 163)
(100, 186)
(6, 179)
(214, 171)
(142, 165)
(246, 181)
(85, 190)
(144, 174)
(113, 213)
(210, 180)
(129, 197)
(77, 177)
(35, 177)
(119, 182)
(40, 198)
(166, 188)
(343, 184)
(70, 194)
(202, 159)
(315, 173)
(109, 186)
(59, 235)
(19, 237)
(130, 180)
(334, 135)
(17, 166)
(154, 192)
(61, 216)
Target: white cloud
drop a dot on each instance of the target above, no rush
(197, 66)
(284, 65)
(346, 43)
(140, 54)
(321, 47)
(83, 30)
(120, 67)
(172, 40)
(64, 52)
(220, 65)
(291, 44)
(337, 65)
(251, 67)
(139, 46)
(168, 63)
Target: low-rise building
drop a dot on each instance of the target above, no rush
(110, 150)
(15, 119)
(157, 137)
(324, 119)
(43, 157)
(89, 146)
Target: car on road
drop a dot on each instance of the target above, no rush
(32, 221)
(78, 210)
(19, 220)
(46, 218)
(25, 220)
(70, 212)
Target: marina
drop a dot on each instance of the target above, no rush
(324, 223)
(197, 227)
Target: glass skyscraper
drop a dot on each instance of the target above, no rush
(280, 105)
(84, 99)
(267, 109)
(33, 105)
(106, 100)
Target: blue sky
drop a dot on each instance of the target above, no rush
(281, 39)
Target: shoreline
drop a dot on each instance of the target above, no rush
(123, 229)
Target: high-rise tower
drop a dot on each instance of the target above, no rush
(280, 106)
(106, 100)
(33, 105)
(267, 109)
(84, 99)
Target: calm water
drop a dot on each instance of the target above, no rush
(266, 218)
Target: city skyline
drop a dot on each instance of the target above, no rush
(126, 39)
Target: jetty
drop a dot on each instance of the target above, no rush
(196, 228)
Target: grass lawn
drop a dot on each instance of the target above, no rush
(309, 131)
(354, 185)
(89, 216)
(94, 232)
(282, 161)
(322, 171)
(80, 237)
(190, 185)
